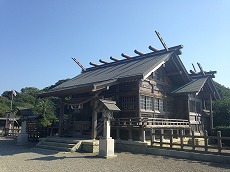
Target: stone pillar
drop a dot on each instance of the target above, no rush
(130, 133)
(143, 134)
(22, 138)
(106, 133)
(106, 144)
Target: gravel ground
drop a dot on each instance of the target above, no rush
(15, 158)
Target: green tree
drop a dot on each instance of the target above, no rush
(30, 90)
(7, 94)
(56, 84)
(221, 108)
(47, 108)
(4, 106)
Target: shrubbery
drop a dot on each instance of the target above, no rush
(225, 132)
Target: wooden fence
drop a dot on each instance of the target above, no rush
(181, 141)
(151, 122)
(14, 131)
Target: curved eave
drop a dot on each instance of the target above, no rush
(91, 87)
(67, 91)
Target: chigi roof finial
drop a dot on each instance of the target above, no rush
(79, 64)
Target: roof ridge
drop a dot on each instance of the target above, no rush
(155, 53)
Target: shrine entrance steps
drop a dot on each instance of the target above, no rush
(68, 144)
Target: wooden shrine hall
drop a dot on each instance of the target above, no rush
(153, 91)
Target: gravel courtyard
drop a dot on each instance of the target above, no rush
(15, 158)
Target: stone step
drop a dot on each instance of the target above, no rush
(54, 148)
(69, 144)
(64, 140)
(59, 144)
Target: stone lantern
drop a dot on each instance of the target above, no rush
(22, 138)
(106, 143)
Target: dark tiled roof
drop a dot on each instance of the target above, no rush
(134, 67)
(192, 87)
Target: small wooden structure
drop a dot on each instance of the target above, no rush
(33, 129)
(9, 126)
(153, 91)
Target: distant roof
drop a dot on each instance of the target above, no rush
(192, 87)
(197, 85)
(108, 74)
(25, 112)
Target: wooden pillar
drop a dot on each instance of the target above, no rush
(188, 104)
(171, 137)
(206, 141)
(161, 137)
(178, 133)
(219, 141)
(151, 136)
(193, 141)
(94, 117)
(130, 133)
(61, 118)
(118, 133)
(138, 100)
(211, 115)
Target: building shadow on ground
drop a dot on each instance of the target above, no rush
(8, 146)
(53, 158)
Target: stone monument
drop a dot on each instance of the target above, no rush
(22, 138)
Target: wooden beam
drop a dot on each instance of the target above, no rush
(201, 69)
(94, 64)
(126, 56)
(114, 59)
(162, 41)
(153, 48)
(211, 72)
(103, 61)
(194, 67)
(192, 72)
(138, 52)
(197, 75)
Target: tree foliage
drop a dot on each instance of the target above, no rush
(28, 98)
(4, 106)
(221, 108)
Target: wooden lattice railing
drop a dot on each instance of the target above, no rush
(152, 122)
(187, 142)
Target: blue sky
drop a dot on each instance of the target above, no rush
(38, 38)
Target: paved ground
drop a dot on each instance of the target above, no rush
(15, 158)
